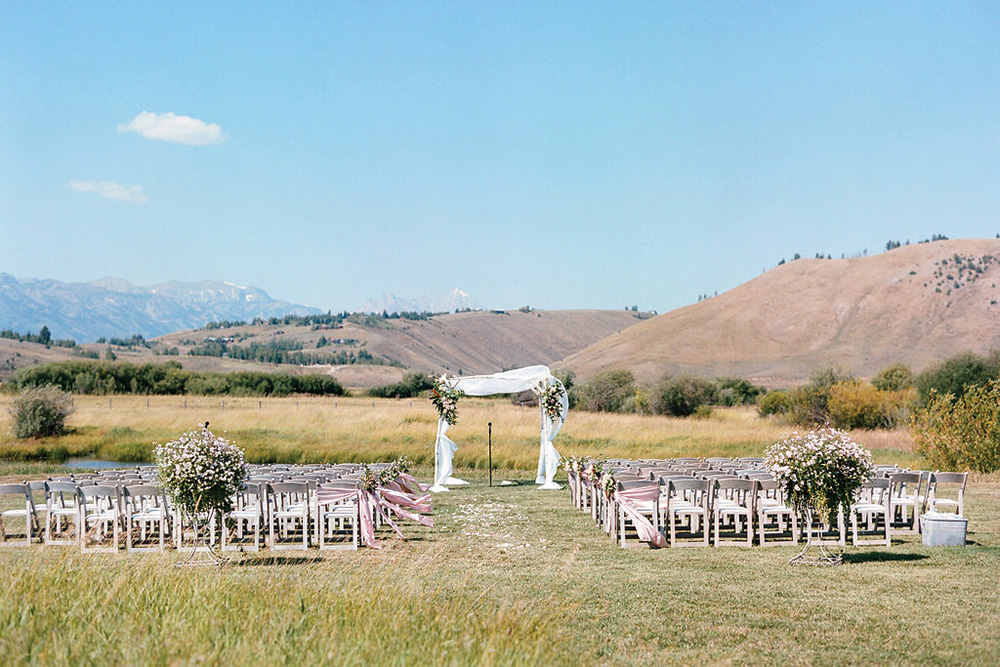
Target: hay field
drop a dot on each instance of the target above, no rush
(306, 429)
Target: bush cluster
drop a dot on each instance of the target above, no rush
(961, 433)
(958, 373)
(606, 392)
(38, 412)
(412, 385)
(673, 395)
(97, 377)
(833, 397)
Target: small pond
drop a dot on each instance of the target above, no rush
(99, 464)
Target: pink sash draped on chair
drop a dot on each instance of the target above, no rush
(385, 498)
(644, 497)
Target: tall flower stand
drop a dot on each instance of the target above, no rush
(819, 536)
(195, 536)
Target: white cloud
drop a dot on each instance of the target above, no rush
(171, 127)
(111, 190)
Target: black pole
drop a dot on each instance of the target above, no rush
(489, 426)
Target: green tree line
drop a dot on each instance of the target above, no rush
(98, 377)
(288, 352)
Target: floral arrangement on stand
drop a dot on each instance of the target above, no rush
(201, 472)
(445, 400)
(551, 399)
(820, 471)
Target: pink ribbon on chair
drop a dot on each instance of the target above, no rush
(630, 501)
(384, 498)
(408, 484)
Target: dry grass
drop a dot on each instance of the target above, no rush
(362, 429)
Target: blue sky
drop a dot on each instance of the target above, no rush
(558, 155)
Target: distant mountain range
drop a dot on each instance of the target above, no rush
(455, 300)
(916, 304)
(112, 307)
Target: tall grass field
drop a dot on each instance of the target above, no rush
(507, 576)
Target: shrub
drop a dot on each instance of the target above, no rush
(607, 391)
(956, 374)
(809, 404)
(681, 396)
(86, 377)
(736, 391)
(568, 379)
(413, 384)
(894, 378)
(963, 433)
(40, 411)
(638, 403)
(857, 404)
(773, 403)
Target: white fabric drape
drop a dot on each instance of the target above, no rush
(535, 378)
(445, 450)
(548, 456)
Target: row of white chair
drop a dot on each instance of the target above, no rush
(278, 509)
(738, 503)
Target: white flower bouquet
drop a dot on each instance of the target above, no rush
(201, 471)
(821, 470)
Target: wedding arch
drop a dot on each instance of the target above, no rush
(553, 405)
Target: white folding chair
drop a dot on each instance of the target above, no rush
(687, 509)
(20, 507)
(775, 520)
(100, 516)
(145, 508)
(339, 522)
(246, 520)
(288, 516)
(942, 482)
(649, 509)
(873, 509)
(62, 514)
(906, 501)
(733, 505)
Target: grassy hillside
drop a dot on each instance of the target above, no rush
(916, 304)
(468, 343)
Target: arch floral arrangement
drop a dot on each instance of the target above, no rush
(552, 401)
(820, 471)
(445, 400)
(201, 472)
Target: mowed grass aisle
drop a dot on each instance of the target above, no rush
(510, 575)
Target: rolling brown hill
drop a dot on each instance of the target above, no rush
(470, 343)
(916, 304)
